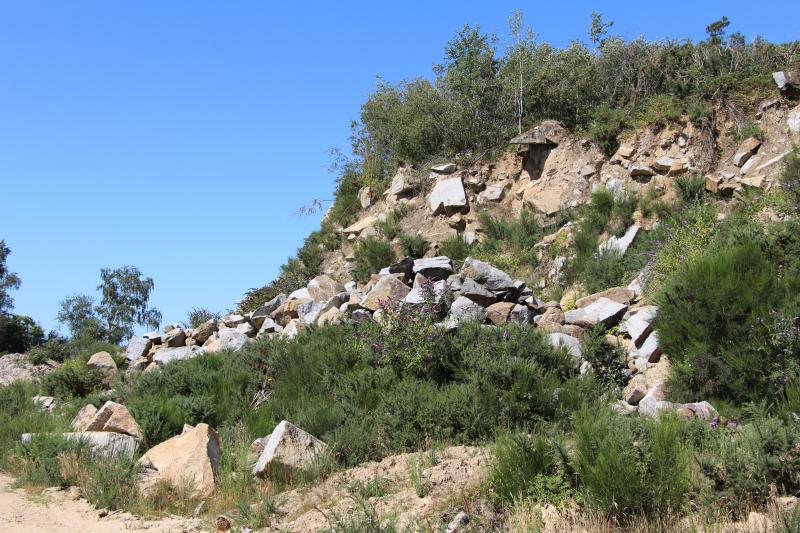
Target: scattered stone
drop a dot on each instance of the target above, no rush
(477, 293)
(102, 361)
(167, 355)
(621, 295)
(246, 329)
(499, 312)
(793, 120)
(115, 418)
(48, 403)
(464, 309)
(623, 408)
(446, 168)
(177, 337)
(602, 311)
(748, 147)
(621, 244)
(641, 171)
(101, 443)
(331, 316)
(448, 197)
(387, 289)
(365, 197)
(638, 325)
(487, 275)
(434, 268)
(625, 150)
(192, 458)
(788, 82)
(204, 331)
(137, 347)
(291, 447)
(663, 164)
(649, 349)
(756, 182)
(493, 193)
(521, 314)
(568, 342)
(84, 417)
(262, 313)
(635, 389)
(322, 288)
(403, 184)
(360, 226)
(293, 328)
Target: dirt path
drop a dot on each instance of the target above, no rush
(57, 512)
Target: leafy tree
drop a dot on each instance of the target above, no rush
(8, 280)
(18, 333)
(598, 30)
(124, 304)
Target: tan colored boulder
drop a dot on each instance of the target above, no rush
(552, 316)
(635, 389)
(499, 312)
(323, 288)
(84, 417)
(204, 331)
(331, 316)
(291, 447)
(174, 338)
(388, 288)
(621, 295)
(189, 460)
(115, 418)
(102, 361)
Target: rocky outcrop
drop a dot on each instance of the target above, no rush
(115, 418)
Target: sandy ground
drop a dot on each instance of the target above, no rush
(56, 512)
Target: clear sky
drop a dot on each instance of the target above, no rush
(181, 136)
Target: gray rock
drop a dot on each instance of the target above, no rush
(650, 349)
(167, 355)
(663, 164)
(259, 315)
(787, 82)
(48, 403)
(487, 275)
(638, 325)
(300, 294)
(448, 197)
(477, 293)
(174, 338)
(621, 244)
(434, 268)
(642, 171)
(204, 331)
(359, 315)
(793, 120)
(446, 168)
(227, 339)
(493, 193)
(153, 336)
(417, 294)
(246, 328)
(365, 197)
(403, 184)
(269, 326)
(521, 314)
(464, 309)
(569, 343)
(103, 444)
(137, 347)
(603, 311)
(291, 447)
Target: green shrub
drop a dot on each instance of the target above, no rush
(631, 467)
(690, 188)
(413, 245)
(455, 247)
(526, 466)
(740, 467)
(710, 322)
(198, 316)
(745, 130)
(43, 461)
(73, 379)
(109, 483)
(661, 110)
(371, 255)
(606, 125)
(55, 349)
(608, 362)
(790, 176)
(510, 243)
(390, 226)
(18, 332)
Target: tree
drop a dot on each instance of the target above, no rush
(125, 297)
(126, 294)
(18, 333)
(716, 30)
(8, 280)
(598, 30)
(523, 45)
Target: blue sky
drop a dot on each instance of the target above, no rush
(180, 137)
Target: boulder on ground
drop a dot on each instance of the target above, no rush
(620, 245)
(788, 82)
(84, 417)
(444, 168)
(433, 268)
(174, 338)
(190, 459)
(448, 197)
(258, 316)
(245, 328)
(48, 403)
(521, 314)
(227, 339)
(137, 347)
(568, 342)
(167, 355)
(332, 316)
(602, 311)
(635, 389)
(293, 328)
(477, 293)
(403, 184)
(499, 312)
(101, 444)
(638, 326)
(115, 418)
(748, 147)
(388, 289)
(487, 275)
(417, 294)
(204, 331)
(291, 447)
(621, 295)
(463, 310)
(323, 287)
(102, 361)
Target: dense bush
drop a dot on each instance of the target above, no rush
(608, 361)
(371, 255)
(18, 333)
(413, 245)
(630, 467)
(455, 247)
(73, 379)
(714, 320)
(690, 188)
